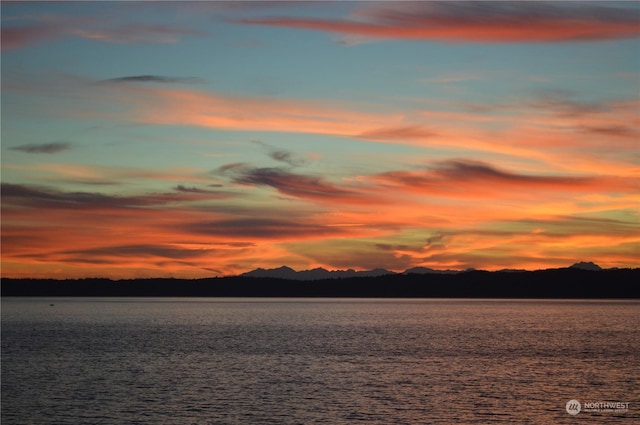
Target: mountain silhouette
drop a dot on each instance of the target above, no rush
(426, 270)
(319, 273)
(586, 266)
(285, 272)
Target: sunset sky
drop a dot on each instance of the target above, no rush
(155, 139)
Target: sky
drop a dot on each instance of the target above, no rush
(189, 140)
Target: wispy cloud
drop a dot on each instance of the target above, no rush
(565, 103)
(46, 197)
(116, 253)
(137, 33)
(397, 133)
(403, 222)
(614, 131)
(253, 228)
(285, 156)
(474, 179)
(18, 37)
(518, 127)
(47, 148)
(173, 106)
(541, 127)
(288, 183)
(75, 173)
(154, 79)
(50, 28)
(193, 189)
(282, 155)
(477, 22)
(91, 230)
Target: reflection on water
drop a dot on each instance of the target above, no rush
(301, 361)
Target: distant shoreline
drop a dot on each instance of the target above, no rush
(556, 283)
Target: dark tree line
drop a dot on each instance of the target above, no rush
(557, 283)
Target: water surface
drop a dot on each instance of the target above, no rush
(310, 361)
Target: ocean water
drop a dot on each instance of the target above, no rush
(317, 361)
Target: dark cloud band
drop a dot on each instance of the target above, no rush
(154, 79)
(48, 148)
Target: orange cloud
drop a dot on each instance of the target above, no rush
(151, 235)
(407, 133)
(473, 179)
(477, 22)
(558, 160)
(539, 132)
(100, 175)
(185, 107)
(170, 232)
(534, 131)
(523, 245)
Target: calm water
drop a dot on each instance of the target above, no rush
(301, 361)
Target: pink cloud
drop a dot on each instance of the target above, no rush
(137, 33)
(49, 28)
(538, 131)
(484, 22)
(173, 106)
(473, 179)
(410, 132)
(18, 37)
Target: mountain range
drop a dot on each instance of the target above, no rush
(581, 280)
(319, 273)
